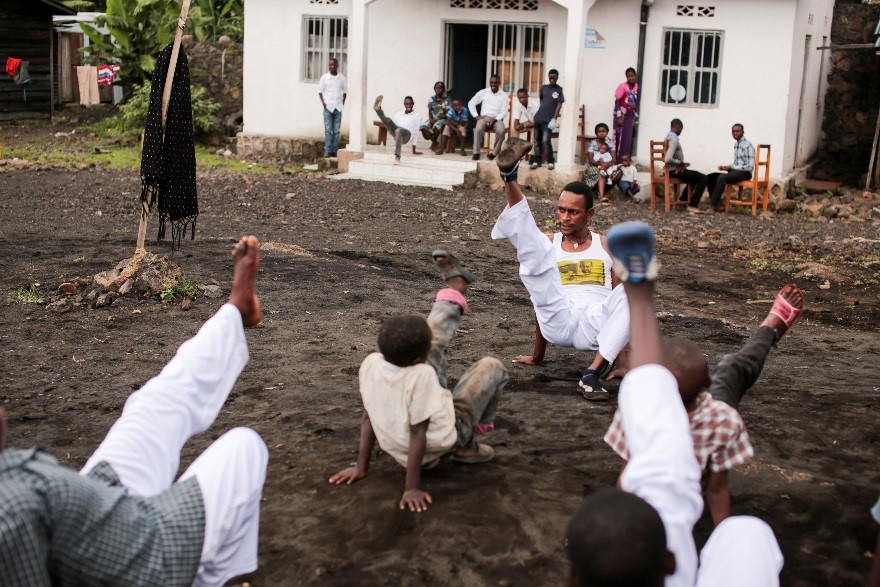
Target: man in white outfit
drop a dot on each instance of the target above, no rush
(573, 290)
(493, 112)
(642, 535)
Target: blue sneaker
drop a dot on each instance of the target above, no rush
(632, 251)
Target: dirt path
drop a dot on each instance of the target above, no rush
(340, 256)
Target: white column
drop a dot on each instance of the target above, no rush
(571, 78)
(357, 75)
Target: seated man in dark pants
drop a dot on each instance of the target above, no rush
(741, 170)
(677, 168)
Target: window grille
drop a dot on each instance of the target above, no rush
(691, 68)
(527, 5)
(323, 37)
(516, 54)
(324, 1)
(694, 10)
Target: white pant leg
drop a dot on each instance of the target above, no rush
(231, 473)
(742, 550)
(143, 446)
(610, 323)
(559, 320)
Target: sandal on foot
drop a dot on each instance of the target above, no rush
(632, 251)
(592, 389)
(485, 453)
(482, 429)
(377, 105)
(451, 267)
(512, 153)
(785, 311)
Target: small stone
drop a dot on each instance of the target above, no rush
(62, 306)
(103, 300)
(829, 212)
(795, 241)
(289, 196)
(786, 206)
(67, 287)
(825, 285)
(92, 295)
(702, 245)
(98, 213)
(126, 287)
(185, 305)
(212, 291)
(106, 279)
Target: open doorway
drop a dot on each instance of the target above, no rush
(466, 74)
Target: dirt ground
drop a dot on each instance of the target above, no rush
(340, 256)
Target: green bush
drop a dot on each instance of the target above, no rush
(129, 122)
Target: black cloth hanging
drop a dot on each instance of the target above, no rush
(168, 169)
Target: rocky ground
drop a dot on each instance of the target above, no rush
(340, 256)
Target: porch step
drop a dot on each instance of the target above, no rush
(425, 170)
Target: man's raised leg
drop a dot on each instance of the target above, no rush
(144, 444)
(449, 307)
(737, 372)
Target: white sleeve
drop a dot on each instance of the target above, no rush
(344, 85)
(662, 469)
(477, 99)
(322, 85)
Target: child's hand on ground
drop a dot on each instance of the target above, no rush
(348, 476)
(415, 499)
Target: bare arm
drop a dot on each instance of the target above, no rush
(514, 193)
(321, 96)
(615, 281)
(359, 470)
(414, 498)
(718, 496)
(537, 356)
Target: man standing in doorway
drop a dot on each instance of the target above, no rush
(551, 99)
(495, 106)
(332, 89)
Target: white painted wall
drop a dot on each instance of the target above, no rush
(754, 87)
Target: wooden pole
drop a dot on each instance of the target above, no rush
(166, 96)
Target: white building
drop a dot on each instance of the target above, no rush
(710, 63)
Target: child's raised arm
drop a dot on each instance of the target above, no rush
(414, 498)
(358, 470)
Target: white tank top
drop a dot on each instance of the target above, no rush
(586, 275)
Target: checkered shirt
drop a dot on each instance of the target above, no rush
(61, 528)
(721, 441)
(743, 155)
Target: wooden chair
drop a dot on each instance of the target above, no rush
(583, 138)
(756, 184)
(670, 184)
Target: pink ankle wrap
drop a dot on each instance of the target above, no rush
(453, 295)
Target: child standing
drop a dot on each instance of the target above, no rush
(407, 406)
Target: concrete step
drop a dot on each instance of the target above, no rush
(389, 171)
(428, 160)
(443, 185)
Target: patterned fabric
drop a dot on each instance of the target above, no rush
(61, 528)
(106, 74)
(626, 99)
(439, 105)
(721, 441)
(743, 155)
(462, 118)
(168, 164)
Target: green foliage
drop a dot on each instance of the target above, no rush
(142, 28)
(184, 288)
(132, 117)
(27, 295)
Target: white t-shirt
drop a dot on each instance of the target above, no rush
(397, 397)
(332, 87)
(586, 274)
(410, 122)
(521, 112)
(495, 105)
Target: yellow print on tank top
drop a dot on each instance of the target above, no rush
(585, 272)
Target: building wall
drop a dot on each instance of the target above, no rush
(26, 33)
(754, 84)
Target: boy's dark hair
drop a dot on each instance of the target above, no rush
(403, 339)
(581, 189)
(410, 98)
(601, 125)
(553, 71)
(616, 538)
(688, 365)
(521, 91)
(741, 127)
(676, 122)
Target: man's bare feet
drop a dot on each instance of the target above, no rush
(246, 256)
(452, 271)
(527, 360)
(786, 309)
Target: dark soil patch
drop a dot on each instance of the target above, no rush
(347, 254)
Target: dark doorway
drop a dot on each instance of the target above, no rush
(466, 47)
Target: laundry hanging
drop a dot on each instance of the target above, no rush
(17, 69)
(87, 76)
(107, 74)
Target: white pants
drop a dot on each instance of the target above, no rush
(601, 326)
(144, 444)
(742, 550)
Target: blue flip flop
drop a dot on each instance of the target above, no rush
(632, 251)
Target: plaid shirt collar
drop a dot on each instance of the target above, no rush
(743, 155)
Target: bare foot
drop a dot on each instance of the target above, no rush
(417, 152)
(527, 360)
(246, 256)
(2, 429)
(458, 283)
(795, 297)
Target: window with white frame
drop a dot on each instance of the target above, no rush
(690, 73)
(516, 54)
(324, 37)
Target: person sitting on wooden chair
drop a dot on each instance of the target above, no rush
(741, 170)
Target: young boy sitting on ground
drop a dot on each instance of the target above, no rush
(407, 406)
(720, 438)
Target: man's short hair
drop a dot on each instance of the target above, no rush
(741, 127)
(688, 365)
(600, 125)
(495, 76)
(334, 60)
(522, 91)
(676, 122)
(552, 72)
(616, 538)
(410, 98)
(403, 339)
(581, 189)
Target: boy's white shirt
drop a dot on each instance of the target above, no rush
(397, 397)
